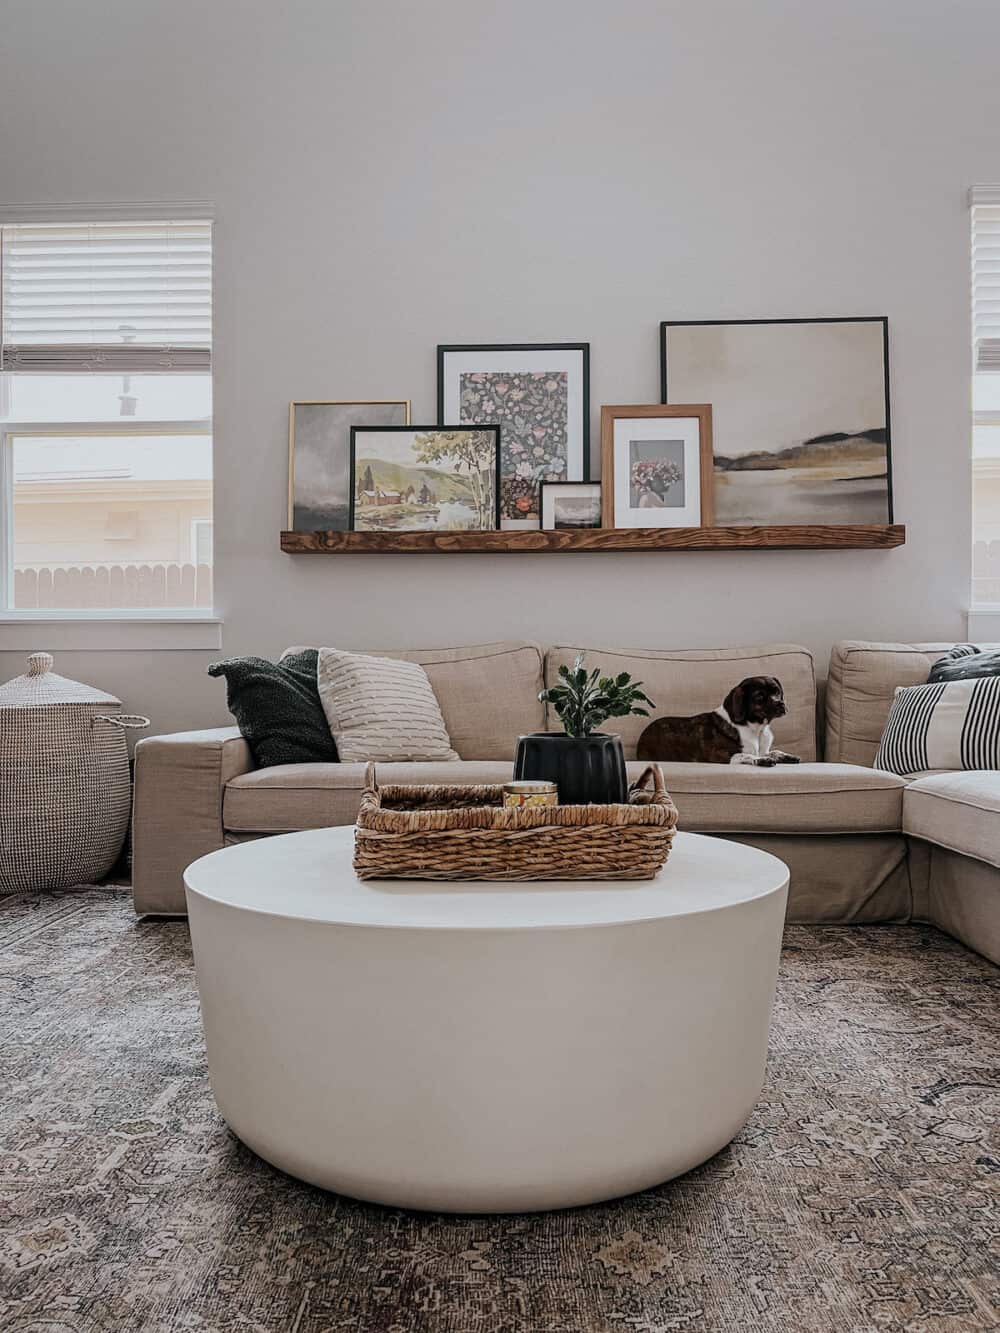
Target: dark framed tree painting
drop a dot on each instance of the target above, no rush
(800, 415)
(539, 394)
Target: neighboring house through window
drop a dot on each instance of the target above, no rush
(106, 416)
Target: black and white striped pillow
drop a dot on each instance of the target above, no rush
(951, 725)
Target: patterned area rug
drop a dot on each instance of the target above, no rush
(864, 1194)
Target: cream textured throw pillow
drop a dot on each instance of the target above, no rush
(380, 709)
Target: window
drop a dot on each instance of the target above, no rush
(986, 395)
(106, 417)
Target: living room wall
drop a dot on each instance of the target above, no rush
(387, 176)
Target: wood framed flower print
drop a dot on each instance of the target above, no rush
(539, 394)
(424, 478)
(656, 466)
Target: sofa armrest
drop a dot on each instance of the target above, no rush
(177, 810)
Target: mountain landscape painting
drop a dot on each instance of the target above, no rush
(424, 479)
(800, 416)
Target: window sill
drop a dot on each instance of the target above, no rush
(113, 631)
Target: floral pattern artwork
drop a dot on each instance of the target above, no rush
(532, 411)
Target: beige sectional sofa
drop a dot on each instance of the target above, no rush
(862, 845)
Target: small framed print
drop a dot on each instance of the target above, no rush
(570, 505)
(425, 478)
(656, 466)
(539, 395)
(319, 457)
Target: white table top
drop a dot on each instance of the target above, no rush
(309, 876)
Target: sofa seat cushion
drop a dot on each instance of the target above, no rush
(790, 798)
(290, 797)
(710, 798)
(685, 681)
(960, 811)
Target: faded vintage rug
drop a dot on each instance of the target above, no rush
(864, 1194)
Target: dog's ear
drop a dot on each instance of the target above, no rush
(735, 704)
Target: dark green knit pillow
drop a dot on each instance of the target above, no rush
(276, 706)
(965, 662)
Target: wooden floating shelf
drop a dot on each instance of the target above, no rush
(867, 537)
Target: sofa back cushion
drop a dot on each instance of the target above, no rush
(694, 680)
(859, 691)
(488, 693)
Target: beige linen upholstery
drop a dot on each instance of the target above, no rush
(488, 693)
(710, 798)
(859, 689)
(177, 809)
(963, 898)
(695, 680)
(960, 811)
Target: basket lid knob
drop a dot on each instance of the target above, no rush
(39, 663)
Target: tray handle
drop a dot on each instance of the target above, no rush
(640, 794)
(370, 784)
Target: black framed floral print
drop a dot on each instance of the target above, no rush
(539, 393)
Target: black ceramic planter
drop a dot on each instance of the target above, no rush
(588, 770)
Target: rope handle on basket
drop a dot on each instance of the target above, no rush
(639, 793)
(127, 721)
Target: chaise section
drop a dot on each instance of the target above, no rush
(177, 810)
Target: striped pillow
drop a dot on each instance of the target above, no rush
(952, 725)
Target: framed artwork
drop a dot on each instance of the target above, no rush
(800, 413)
(424, 478)
(656, 466)
(319, 458)
(570, 504)
(539, 395)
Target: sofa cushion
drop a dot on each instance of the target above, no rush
(693, 680)
(960, 811)
(380, 708)
(488, 693)
(710, 798)
(859, 691)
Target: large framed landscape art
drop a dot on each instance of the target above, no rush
(424, 478)
(539, 395)
(319, 458)
(800, 415)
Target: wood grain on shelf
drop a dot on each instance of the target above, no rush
(873, 536)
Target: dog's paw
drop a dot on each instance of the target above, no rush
(765, 761)
(780, 757)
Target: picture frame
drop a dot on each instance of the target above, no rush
(581, 500)
(801, 415)
(539, 394)
(319, 456)
(656, 466)
(425, 478)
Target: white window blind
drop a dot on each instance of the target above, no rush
(986, 278)
(131, 297)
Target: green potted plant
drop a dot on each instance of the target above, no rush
(587, 765)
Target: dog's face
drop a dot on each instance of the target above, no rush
(758, 699)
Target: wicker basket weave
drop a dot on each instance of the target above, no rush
(64, 780)
(441, 832)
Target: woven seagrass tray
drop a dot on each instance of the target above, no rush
(444, 832)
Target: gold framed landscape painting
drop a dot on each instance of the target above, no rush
(425, 479)
(800, 415)
(319, 457)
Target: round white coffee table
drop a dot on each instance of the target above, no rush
(484, 1047)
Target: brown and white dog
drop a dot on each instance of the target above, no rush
(738, 732)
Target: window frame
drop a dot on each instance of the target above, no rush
(983, 617)
(99, 628)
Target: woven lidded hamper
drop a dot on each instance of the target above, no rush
(466, 832)
(64, 780)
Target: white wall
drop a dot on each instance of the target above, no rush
(388, 176)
